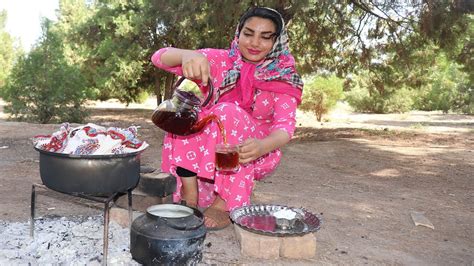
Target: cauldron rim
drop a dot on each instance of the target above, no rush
(90, 156)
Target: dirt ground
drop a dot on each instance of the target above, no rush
(364, 174)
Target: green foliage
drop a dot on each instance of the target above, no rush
(43, 87)
(321, 94)
(365, 97)
(398, 102)
(188, 85)
(111, 41)
(448, 89)
(8, 52)
(142, 97)
(466, 48)
(102, 37)
(464, 102)
(114, 39)
(391, 52)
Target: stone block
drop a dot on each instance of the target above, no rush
(274, 247)
(157, 184)
(257, 246)
(298, 247)
(121, 216)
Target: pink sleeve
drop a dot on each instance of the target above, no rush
(284, 116)
(156, 60)
(216, 58)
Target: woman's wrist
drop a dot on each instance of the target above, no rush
(174, 56)
(275, 140)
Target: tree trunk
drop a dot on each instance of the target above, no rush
(159, 95)
(169, 86)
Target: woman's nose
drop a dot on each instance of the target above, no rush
(254, 41)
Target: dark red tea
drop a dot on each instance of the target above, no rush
(227, 161)
(168, 122)
(185, 123)
(203, 122)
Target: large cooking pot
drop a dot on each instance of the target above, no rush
(89, 174)
(168, 234)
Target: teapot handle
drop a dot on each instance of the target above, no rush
(209, 94)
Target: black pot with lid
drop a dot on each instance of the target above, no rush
(168, 234)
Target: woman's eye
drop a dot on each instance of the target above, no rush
(247, 34)
(267, 37)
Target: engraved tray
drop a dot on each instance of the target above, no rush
(260, 219)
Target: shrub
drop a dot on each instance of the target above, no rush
(142, 97)
(373, 95)
(449, 89)
(321, 94)
(397, 101)
(464, 102)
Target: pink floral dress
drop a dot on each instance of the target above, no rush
(270, 111)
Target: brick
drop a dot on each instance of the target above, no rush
(257, 246)
(298, 247)
(120, 216)
(274, 247)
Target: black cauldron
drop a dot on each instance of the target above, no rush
(89, 174)
(168, 234)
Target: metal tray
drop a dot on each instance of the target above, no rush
(260, 219)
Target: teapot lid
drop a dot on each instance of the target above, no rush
(170, 211)
(187, 97)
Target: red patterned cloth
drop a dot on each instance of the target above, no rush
(91, 139)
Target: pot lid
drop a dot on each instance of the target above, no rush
(177, 216)
(170, 211)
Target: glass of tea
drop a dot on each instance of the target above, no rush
(227, 157)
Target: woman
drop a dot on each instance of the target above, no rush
(258, 91)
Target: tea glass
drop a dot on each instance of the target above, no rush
(227, 157)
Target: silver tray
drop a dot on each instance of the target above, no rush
(260, 219)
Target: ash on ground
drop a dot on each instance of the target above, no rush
(61, 240)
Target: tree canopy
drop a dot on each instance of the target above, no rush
(345, 37)
(392, 43)
(7, 50)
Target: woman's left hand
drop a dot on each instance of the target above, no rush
(250, 150)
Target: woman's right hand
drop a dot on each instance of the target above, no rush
(195, 66)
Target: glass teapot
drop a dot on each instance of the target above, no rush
(179, 114)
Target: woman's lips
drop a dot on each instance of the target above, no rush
(253, 52)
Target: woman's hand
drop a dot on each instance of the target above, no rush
(253, 148)
(195, 66)
(250, 150)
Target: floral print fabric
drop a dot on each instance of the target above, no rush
(91, 139)
(279, 65)
(270, 111)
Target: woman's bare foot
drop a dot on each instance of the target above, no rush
(189, 191)
(216, 217)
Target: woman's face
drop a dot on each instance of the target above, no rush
(256, 38)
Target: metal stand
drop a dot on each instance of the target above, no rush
(112, 198)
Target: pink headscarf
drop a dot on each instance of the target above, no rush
(278, 68)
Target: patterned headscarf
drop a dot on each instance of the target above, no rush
(278, 65)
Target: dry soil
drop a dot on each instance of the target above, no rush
(364, 174)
